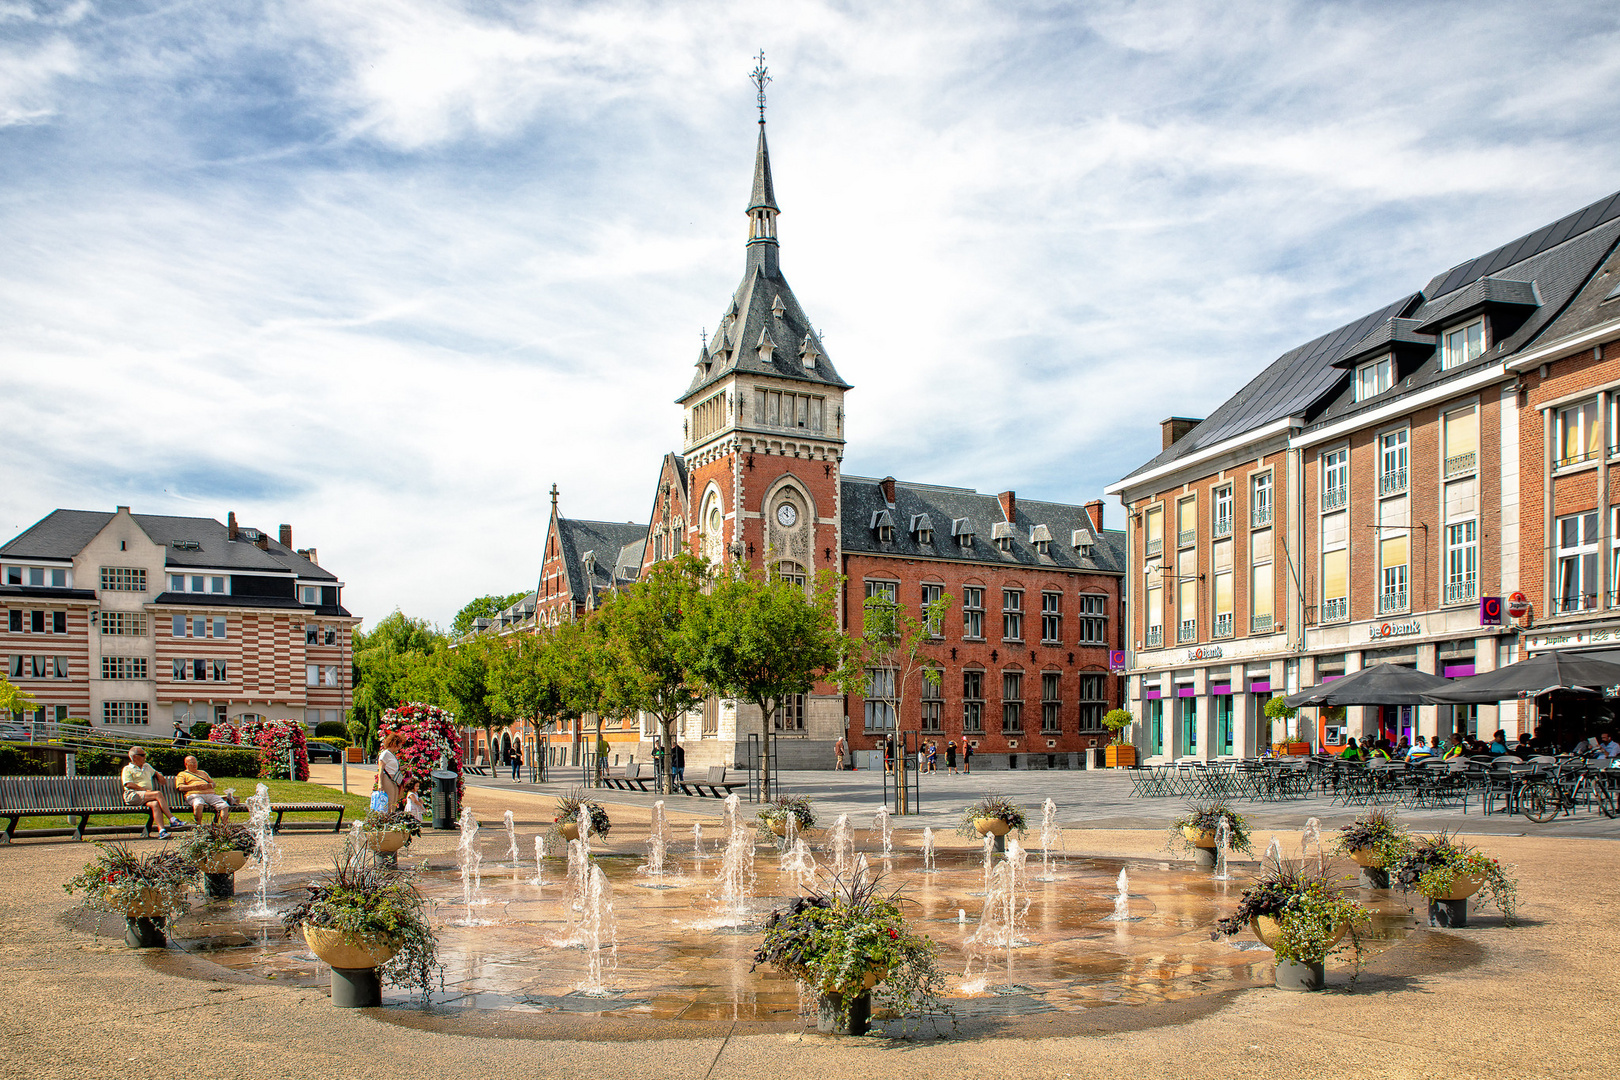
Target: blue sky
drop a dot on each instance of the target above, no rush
(387, 269)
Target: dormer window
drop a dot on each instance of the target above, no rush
(883, 526)
(778, 308)
(1081, 541)
(1374, 378)
(1002, 535)
(1040, 538)
(765, 347)
(922, 528)
(1462, 344)
(963, 531)
(808, 351)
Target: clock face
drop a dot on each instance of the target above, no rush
(786, 515)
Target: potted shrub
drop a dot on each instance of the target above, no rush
(1447, 872)
(369, 924)
(846, 941)
(1302, 917)
(147, 890)
(993, 815)
(1376, 841)
(566, 822)
(775, 816)
(388, 833)
(1197, 831)
(1120, 753)
(218, 850)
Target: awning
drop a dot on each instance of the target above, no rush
(1556, 670)
(1381, 684)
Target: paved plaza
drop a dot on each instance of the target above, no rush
(1486, 1001)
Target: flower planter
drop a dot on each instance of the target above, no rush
(992, 826)
(1462, 887)
(1121, 756)
(385, 842)
(829, 1020)
(1199, 838)
(779, 827)
(1368, 858)
(218, 871)
(1266, 929)
(354, 959)
(569, 830)
(144, 920)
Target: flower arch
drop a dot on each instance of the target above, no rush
(429, 731)
(273, 739)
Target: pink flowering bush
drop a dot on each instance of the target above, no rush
(273, 738)
(429, 731)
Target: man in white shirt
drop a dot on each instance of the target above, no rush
(141, 789)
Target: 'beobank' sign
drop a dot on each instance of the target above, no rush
(1389, 630)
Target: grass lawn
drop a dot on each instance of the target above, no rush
(280, 791)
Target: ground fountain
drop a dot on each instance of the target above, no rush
(798, 863)
(513, 859)
(928, 852)
(597, 931)
(880, 823)
(736, 879)
(657, 847)
(266, 852)
(697, 839)
(539, 881)
(1122, 899)
(470, 861)
(1313, 836)
(1051, 836)
(842, 845)
(989, 861)
(1223, 847)
(1000, 927)
(1274, 852)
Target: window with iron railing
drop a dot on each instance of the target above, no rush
(1577, 563)
(1187, 630)
(1260, 624)
(1336, 478)
(1392, 482)
(1460, 464)
(1155, 636)
(1334, 498)
(1260, 515)
(1336, 609)
(1223, 624)
(1186, 537)
(1223, 512)
(1392, 601)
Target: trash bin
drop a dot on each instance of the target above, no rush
(1099, 757)
(445, 803)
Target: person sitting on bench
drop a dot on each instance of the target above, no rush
(197, 788)
(141, 789)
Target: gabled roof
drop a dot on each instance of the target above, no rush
(62, 534)
(862, 501)
(1532, 279)
(606, 540)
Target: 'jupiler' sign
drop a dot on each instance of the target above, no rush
(1389, 630)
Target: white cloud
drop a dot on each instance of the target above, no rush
(28, 80)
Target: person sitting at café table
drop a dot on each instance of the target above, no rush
(197, 788)
(1498, 743)
(141, 782)
(1526, 746)
(1403, 750)
(1606, 749)
(1420, 749)
(1458, 747)
(1380, 750)
(1351, 751)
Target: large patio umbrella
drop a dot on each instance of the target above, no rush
(1381, 684)
(1556, 670)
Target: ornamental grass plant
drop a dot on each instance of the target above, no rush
(786, 806)
(991, 806)
(214, 838)
(1207, 817)
(851, 927)
(1309, 909)
(361, 895)
(1377, 831)
(117, 880)
(568, 811)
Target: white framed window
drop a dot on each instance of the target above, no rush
(1223, 511)
(1336, 479)
(123, 579)
(776, 409)
(1012, 614)
(972, 612)
(1186, 523)
(125, 712)
(1393, 569)
(887, 590)
(1262, 583)
(122, 624)
(1461, 433)
(312, 674)
(1392, 462)
(309, 594)
(1153, 530)
(1155, 617)
(1374, 378)
(1260, 501)
(123, 667)
(1462, 344)
(1335, 567)
(1222, 589)
(1577, 562)
(1580, 435)
(1093, 619)
(1462, 562)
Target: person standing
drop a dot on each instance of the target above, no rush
(517, 760)
(950, 758)
(840, 751)
(933, 756)
(888, 754)
(390, 780)
(677, 762)
(967, 758)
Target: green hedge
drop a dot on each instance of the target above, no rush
(20, 760)
(332, 728)
(340, 743)
(15, 761)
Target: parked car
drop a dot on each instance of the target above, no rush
(320, 751)
(14, 732)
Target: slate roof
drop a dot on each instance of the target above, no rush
(751, 318)
(862, 501)
(62, 534)
(1533, 277)
(607, 539)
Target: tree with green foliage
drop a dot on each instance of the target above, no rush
(14, 700)
(466, 677)
(651, 628)
(592, 674)
(397, 660)
(762, 639)
(485, 607)
(894, 640)
(522, 679)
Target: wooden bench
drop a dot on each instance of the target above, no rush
(79, 798)
(719, 787)
(636, 776)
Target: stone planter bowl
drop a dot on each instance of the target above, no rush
(779, 827)
(148, 905)
(385, 842)
(351, 952)
(991, 826)
(225, 862)
(1462, 887)
(1204, 838)
(569, 830)
(1368, 858)
(1266, 929)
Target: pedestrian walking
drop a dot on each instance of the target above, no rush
(888, 755)
(950, 758)
(933, 756)
(840, 750)
(967, 757)
(517, 761)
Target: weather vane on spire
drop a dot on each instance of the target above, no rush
(760, 75)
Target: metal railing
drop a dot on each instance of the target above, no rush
(1391, 601)
(1460, 592)
(1155, 636)
(1260, 515)
(1154, 547)
(1334, 498)
(1575, 459)
(1186, 537)
(1460, 464)
(1188, 630)
(1223, 624)
(1223, 526)
(1581, 602)
(1336, 609)
(1392, 482)
(1260, 624)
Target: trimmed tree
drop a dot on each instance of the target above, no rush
(895, 641)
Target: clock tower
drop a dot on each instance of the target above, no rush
(764, 416)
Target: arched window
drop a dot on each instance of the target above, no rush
(714, 537)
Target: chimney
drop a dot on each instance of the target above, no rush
(1009, 505)
(286, 536)
(1095, 509)
(887, 484)
(312, 555)
(1173, 428)
(123, 509)
(230, 527)
(264, 541)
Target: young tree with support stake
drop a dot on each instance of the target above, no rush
(762, 639)
(893, 639)
(651, 627)
(522, 679)
(591, 672)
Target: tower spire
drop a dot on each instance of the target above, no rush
(762, 208)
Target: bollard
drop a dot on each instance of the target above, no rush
(356, 988)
